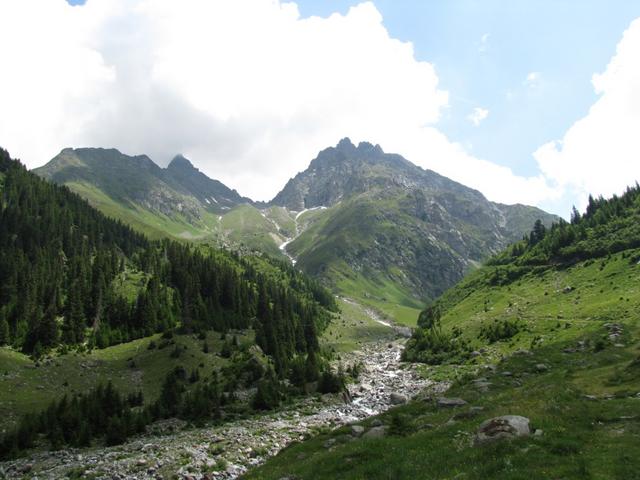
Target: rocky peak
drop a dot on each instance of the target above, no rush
(181, 162)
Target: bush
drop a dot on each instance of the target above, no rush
(500, 330)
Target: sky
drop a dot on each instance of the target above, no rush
(534, 102)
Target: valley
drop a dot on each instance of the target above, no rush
(173, 447)
(289, 340)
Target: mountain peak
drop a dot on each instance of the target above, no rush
(345, 145)
(366, 147)
(180, 161)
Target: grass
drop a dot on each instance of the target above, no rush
(380, 293)
(352, 328)
(154, 224)
(585, 402)
(26, 386)
(246, 225)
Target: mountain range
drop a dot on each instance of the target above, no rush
(372, 225)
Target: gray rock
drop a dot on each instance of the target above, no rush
(329, 443)
(397, 398)
(446, 402)
(522, 351)
(357, 430)
(541, 367)
(378, 423)
(504, 427)
(375, 432)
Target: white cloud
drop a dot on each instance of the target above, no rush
(247, 89)
(478, 115)
(600, 153)
(532, 80)
(484, 43)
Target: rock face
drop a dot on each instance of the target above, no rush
(505, 427)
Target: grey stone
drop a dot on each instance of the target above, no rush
(397, 398)
(504, 427)
(446, 402)
(375, 432)
(378, 423)
(329, 443)
(357, 430)
(541, 367)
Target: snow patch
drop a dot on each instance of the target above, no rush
(321, 207)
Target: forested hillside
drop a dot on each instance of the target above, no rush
(72, 278)
(60, 259)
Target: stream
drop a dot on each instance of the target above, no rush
(227, 451)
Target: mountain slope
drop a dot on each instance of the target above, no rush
(74, 279)
(372, 225)
(214, 194)
(411, 230)
(548, 330)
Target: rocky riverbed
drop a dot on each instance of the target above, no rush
(229, 450)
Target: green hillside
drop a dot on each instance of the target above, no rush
(103, 331)
(380, 229)
(548, 330)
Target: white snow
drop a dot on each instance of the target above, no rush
(321, 207)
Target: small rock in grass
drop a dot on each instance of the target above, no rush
(504, 427)
(397, 398)
(329, 443)
(446, 402)
(541, 367)
(375, 432)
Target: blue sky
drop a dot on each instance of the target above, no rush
(564, 41)
(532, 102)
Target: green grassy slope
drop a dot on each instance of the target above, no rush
(154, 224)
(246, 225)
(585, 402)
(27, 386)
(571, 365)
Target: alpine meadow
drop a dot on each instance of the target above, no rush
(298, 240)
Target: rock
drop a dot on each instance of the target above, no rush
(567, 289)
(537, 433)
(472, 412)
(329, 443)
(357, 430)
(378, 423)
(541, 367)
(522, 351)
(475, 353)
(445, 402)
(375, 432)
(507, 374)
(482, 384)
(507, 426)
(397, 398)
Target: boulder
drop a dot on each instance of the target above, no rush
(505, 427)
(357, 430)
(446, 402)
(375, 432)
(397, 398)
